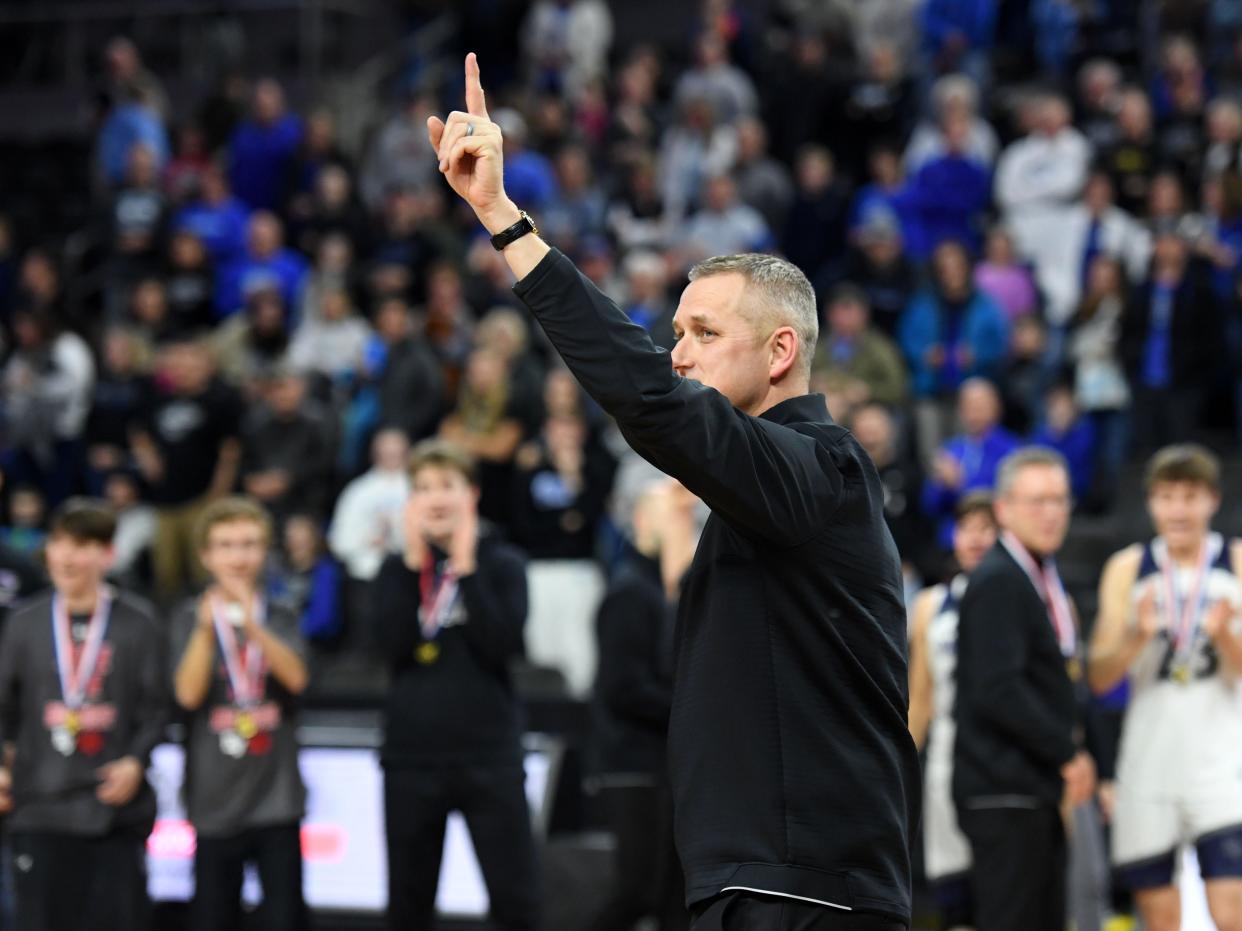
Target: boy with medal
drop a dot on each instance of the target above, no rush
(84, 700)
(239, 666)
(449, 616)
(1169, 623)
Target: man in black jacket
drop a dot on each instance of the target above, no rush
(450, 613)
(794, 777)
(1018, 757)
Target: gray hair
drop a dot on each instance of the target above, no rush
(1026, 457)
(783, 295)
(952, 86)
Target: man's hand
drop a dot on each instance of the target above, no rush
(6, 791)
(1079, 776)
(1216, 624)
(471, 153)
(948, 471)
(1147, 619)
(119, 781)
(205, 615)
(1107, 797)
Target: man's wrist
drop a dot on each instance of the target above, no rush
(501, 217)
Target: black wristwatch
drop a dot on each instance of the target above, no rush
(515, 232)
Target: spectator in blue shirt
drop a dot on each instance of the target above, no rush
(947, 196)
(310, 579)
(529, 177)
(577, 209)
(958, 35)
(131, 122)
(967, 462)
(1065, 429)
(950, 332)
(266, 257)
(217, 218)
(262, 148)
(882, 195)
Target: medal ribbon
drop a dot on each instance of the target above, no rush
(437, 595)
(245, 671)
(1051, 592)
(74, 681)
(1184, 623)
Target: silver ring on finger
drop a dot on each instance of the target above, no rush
(469, 129)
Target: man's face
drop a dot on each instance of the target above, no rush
(234, 553)
(978, 408)
(1037, 507)
(390, 450)
(847, 318)
(1182, 512)
(264, 235)
(873, 429)
(716, 345)
(76, 566)
(286, 395)
(443, 497)
(973, 536)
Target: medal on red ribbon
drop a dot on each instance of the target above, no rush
(437, 595)
(1047, 584)
(1183, 616)
(245, 669)
(75, 677)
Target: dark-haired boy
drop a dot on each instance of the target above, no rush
(82, 683)
(450, 612)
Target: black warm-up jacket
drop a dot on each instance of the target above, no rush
(792, 769)
(1017, 711)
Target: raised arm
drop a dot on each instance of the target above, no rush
(1115, 642)
(469, 148)
(763, 477)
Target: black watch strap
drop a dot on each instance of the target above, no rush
(516, 231)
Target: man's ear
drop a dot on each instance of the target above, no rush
(784, 352)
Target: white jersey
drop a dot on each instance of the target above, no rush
(942, 662)
(946, 850)
(1183, 723)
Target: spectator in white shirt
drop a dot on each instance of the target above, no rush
(566, 44)
(366, 525)
(729, 88)
(1045, 170)
(1064, 244)
(954, 97)
(332, 342)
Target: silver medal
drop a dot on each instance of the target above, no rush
(63, 741)
(235, 614)
(232, 744)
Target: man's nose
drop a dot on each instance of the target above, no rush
(680, 362)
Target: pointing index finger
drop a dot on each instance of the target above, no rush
(475, 105)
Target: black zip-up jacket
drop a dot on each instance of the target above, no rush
(1016, 707)
(461, 708)
(792, 769)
